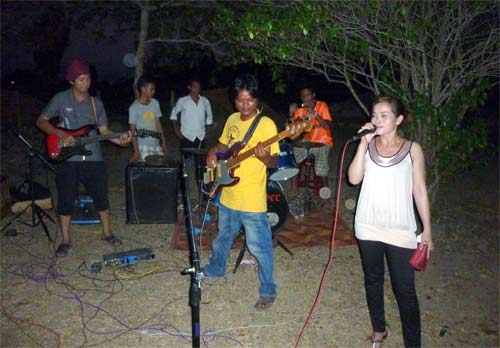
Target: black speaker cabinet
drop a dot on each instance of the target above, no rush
(152, 194)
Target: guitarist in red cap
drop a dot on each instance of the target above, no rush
(75, 108)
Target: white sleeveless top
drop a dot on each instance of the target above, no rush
(385, 210)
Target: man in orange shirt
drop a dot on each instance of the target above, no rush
(321, 118)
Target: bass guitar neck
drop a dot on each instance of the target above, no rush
(222, 174)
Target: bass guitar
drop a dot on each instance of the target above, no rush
(223, 172)
(57, 151)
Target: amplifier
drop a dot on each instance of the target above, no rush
(84, 212)
(151, 193)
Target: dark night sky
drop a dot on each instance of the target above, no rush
(106, 57)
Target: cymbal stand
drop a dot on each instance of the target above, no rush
(198, 159)
(199, 177)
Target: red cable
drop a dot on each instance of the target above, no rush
(332, 247)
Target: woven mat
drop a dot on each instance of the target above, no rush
(314, 228)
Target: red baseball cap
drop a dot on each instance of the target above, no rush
(76, 68)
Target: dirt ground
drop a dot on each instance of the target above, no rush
(59, 303)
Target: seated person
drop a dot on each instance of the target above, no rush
(319, 114)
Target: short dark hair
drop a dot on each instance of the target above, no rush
(143, 81)
(194, 79)
(310, 88)
(247, 82)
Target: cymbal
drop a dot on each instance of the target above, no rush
(307, 144)
(195, 151)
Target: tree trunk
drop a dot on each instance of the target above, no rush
(143, 35)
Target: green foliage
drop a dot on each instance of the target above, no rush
(277, 32)
(436, 55)
(450, 136)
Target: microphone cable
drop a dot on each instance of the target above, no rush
(332, 246)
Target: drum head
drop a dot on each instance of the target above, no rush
(284, 174)
(287, 167)
(277, 207)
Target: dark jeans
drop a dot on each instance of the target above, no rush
(403, 285)
(93, 176)
(197, 143)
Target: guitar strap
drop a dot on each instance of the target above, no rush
(252, 128)
(94, 113)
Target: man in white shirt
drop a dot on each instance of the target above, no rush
(195, 114)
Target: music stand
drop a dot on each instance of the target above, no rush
(36, 211)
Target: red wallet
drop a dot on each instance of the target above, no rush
(419, 258)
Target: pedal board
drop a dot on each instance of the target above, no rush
(84, 212)
(128, 257)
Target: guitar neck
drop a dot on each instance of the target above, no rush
(233, 162)
(93, 139)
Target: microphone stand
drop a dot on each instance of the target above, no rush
(36, 211)
(194, 270)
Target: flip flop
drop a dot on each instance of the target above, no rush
(62, 249)
(113, 240)
(264, 302)
(372, 343)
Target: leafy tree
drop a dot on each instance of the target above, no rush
(440, 57)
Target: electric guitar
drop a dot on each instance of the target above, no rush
(57, 151)
(223, 172)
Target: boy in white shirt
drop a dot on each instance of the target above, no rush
(144, 115)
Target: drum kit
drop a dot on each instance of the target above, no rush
(277, 202)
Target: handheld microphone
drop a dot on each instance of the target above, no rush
(363, 133)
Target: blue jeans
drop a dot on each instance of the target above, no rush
(259, 242)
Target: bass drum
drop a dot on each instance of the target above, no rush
(277, 206)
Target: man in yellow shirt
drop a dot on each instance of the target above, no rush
(246, 202)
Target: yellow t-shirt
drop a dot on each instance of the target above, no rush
(249, 194)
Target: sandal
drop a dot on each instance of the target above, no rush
(372, 343)
(113, 240)
(62, 249)
(264, 302)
